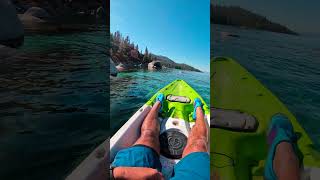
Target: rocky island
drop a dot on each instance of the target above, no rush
(236, 16)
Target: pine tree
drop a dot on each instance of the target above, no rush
(146, 56)
(117, 38)
(127, 41)
(146, 53)
(145, 59)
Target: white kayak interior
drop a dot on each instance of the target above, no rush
(127, 135)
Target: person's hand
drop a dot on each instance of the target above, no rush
(136, 173)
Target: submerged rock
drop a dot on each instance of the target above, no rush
(11, 29)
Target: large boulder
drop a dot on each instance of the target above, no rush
(113, 69)
(37, 12)
(11, 29)
(34, 15)
(122, 68)
(30, 20)
(155, 65)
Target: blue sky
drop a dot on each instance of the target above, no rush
(300, 16)
(178, 29)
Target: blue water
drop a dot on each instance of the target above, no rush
(53, 99)
(288, 65)
(129, 91)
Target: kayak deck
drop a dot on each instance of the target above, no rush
(241, 155)
(176, 109)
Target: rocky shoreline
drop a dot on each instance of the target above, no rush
(151, 66)
(126, 56)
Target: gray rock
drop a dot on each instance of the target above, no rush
(11, 29)
(121, 67)
(155, 65)
(34, 15)
(113, 69)
(28, 19)
(37, 12)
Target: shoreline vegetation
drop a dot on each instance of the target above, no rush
(126, 56)
(237, 16)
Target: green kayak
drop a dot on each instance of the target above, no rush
(175, 125)
(238, 142)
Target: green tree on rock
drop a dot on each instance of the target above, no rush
(146, 52)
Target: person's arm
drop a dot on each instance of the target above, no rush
(136, 173)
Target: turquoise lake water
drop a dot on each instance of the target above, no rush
(288, 65)
(129, 91)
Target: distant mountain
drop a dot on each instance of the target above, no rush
(167, 62)
(236, 16)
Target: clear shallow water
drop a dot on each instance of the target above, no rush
(288, 65)
(129, 91)
(53, 99)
